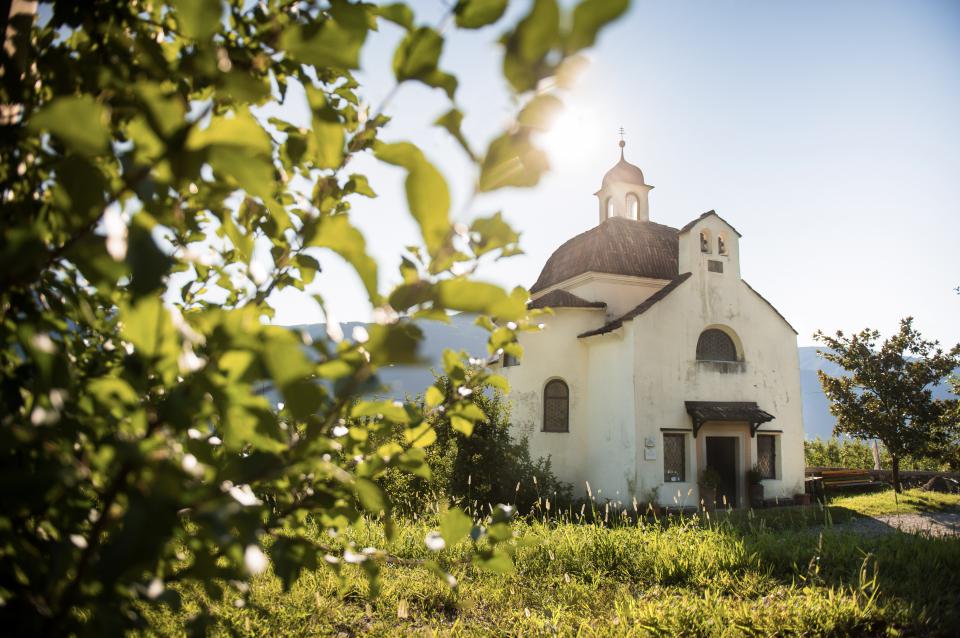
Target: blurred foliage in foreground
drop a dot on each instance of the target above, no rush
(138, 448)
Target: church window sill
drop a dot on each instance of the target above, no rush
(723, 367)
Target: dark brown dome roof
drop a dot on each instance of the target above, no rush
(618, 246)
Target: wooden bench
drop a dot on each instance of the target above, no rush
(841, 479)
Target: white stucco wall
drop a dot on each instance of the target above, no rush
(621, 294)
(555, 352)
(668, 374)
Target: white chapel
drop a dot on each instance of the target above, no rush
(659, 361)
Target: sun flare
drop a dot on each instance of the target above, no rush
(575, 134)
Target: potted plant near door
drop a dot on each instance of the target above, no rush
(709, 482)
(755, 481)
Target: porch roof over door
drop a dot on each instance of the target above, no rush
(740, 411)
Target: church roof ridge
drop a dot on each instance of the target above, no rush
(648, 303)
(692, 223)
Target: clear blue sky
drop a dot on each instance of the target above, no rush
(827, 132)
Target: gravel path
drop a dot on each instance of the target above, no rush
(929, 524)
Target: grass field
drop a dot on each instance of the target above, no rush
(775, 572)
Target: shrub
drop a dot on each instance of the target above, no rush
(486, 468)
(856, 454)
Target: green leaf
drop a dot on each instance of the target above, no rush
(290, 556)
(146, 324)
(112, 391)
(242, 242)
(461, 424)
(389, 410)
(78, 121)
(394, 344)
(148, 264)
(398, 13)
(453, 365)
(498, 382)
(497, 561)
(328, 133)
(470, 296)
(440, 80)
(417, 57)
(238, 129)
(252, 425)
(512, 160)
(427, 194)
(455, 525)
(524, 62)
(338, 234)
(335, 42)
(538, 32)
(588, 18)
(452, 121)
(81, 191)
(242, 169)
(470, 411)
(414, 461)
(284, 357)
(165, 107)
(198, 19)
(433, 397)
(308, 267)
(302, 398)
(371, 496)
(422, 435)
(473, 14)
(330, 138)
(418, 54)
(499, 532)
(358, 184)
(540, 112)
(493, 233)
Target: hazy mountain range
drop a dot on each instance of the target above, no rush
(462, 334)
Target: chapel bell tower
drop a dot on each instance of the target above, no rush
(624, 193)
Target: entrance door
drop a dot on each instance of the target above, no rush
(722, 456)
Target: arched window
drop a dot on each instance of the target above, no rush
(609, 208)
(556, 407)
(715, 345)
(721, 245)
(633, 205)
(705, 241)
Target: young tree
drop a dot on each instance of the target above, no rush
(888, 393)
(136, 446)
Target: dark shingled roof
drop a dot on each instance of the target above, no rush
(564, 299)
(727, 411)
(639, 310)
(707, 214)
(618, 246)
